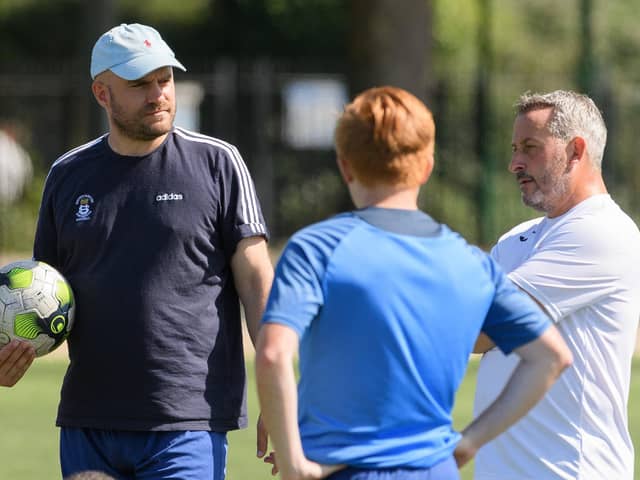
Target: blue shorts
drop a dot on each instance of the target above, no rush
(183, 455)
(445, 470)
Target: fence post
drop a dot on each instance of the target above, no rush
(484, 129)
(262, 83)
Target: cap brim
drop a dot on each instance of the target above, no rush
(140, 66)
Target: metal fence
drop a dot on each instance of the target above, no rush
(250, 105)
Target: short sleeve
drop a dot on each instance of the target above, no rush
(45, 245)
(513, 318)
(296, 294)
(566, 273)
(241, 212)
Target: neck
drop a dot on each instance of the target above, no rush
(585, 188)
(127, 146)
(384, 196)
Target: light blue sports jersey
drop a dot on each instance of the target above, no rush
(388, 305)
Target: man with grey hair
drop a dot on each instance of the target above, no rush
(580, 263)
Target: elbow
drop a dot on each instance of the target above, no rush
(561, 356)
(275, 350)
(567, 359)
(271, 367)
(266, 359)
(269, 359)
(563, 360)
(265, 370)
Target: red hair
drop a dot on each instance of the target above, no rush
(385, 135)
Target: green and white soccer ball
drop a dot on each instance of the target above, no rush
(36, 305)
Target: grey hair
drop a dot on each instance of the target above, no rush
(574, 115)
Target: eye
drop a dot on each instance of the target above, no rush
(525, 148)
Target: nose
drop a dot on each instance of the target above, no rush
(155, 91)
(517, 163)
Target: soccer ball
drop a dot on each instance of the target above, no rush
(36, 305)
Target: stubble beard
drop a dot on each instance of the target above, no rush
(556, 180)
(134, 127)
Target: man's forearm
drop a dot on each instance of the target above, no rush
(541, 364)
(527, 386)
(253, 273)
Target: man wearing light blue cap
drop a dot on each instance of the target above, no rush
(131, 51)
(161, 235)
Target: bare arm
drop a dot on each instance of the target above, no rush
(541, 363)
(15, 359)
(253, 274)
(275, 377)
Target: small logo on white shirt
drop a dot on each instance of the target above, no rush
(169, 197)
(84, 203)
(524, 239)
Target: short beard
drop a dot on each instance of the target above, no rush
(133, 127)
(557, 178)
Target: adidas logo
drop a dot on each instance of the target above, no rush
(165, 197)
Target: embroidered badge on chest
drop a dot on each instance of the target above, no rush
(84, 211)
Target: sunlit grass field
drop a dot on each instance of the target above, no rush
(29, 439)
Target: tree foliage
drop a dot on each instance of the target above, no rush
(535, 46)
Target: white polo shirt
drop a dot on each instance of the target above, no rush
(584, 268)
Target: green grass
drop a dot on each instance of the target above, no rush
(28, 436)
(29, 439)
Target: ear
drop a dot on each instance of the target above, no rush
(100, 92)
(579, 149)
(428, 169)
(345, 170)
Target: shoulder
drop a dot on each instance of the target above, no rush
(520, 238)
(522, 229)
(599, 225)
(223, 157)
(329, 232)
(78, 153)
(310, 250)
(74, 158)
(200, 142)
(603, 214)
(319, 240)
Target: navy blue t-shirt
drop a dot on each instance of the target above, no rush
(146, 243)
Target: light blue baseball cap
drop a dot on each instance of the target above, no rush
(131, 52)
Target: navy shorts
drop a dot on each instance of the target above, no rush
(445, 470)
(183, 455)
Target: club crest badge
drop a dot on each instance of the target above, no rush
(84, 212)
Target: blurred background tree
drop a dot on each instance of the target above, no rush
(468, 59)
